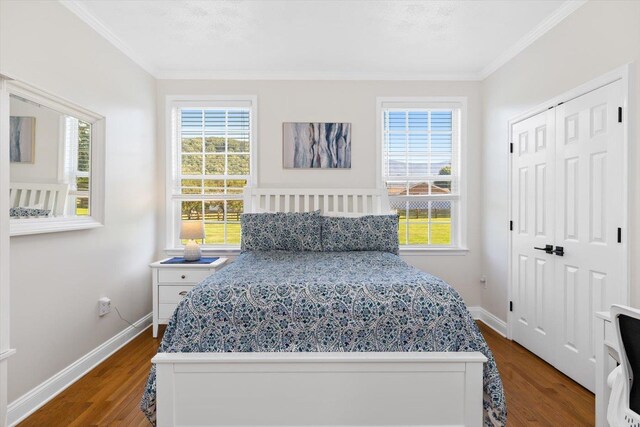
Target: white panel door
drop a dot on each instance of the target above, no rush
(567, 191)
(589, 209)
(533, 229)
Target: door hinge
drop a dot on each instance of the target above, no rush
(619, 235)
(619, 114)
(510, 225)
(510, 305)
(511, 147)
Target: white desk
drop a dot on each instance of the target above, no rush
(606, 347)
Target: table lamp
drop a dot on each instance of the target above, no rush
(192, 230)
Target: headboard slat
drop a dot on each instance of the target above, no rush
(51, 196)
(22, 201)
(330, 201)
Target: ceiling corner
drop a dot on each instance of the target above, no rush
(550, 22)
(77, 8)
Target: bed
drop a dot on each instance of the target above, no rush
(47, 196)
(307, 337)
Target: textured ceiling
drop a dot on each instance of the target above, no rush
(317, 38)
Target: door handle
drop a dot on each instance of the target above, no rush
(559, 251)
(547, 248)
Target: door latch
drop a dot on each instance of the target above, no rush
(547, 248)
(559, 251)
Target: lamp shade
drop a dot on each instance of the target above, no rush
(192, 230)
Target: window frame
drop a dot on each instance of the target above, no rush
(172, 168)
(71, 156)
(459, 224)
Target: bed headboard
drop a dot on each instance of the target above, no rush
(328, 201)
(52, 196)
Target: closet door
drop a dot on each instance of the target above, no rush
(532, 182)
(589, 209)
(568, 198)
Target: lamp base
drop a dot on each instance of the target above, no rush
(192, 251)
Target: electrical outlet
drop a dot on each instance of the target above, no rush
(104, 306)
(483, 280)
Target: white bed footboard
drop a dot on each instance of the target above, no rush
(319, 389)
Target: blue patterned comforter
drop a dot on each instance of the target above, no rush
(326, 301)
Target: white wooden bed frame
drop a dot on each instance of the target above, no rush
(328, 201)
(51, 196)
(319, 389)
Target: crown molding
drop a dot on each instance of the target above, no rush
(80, 10)
(209, 75)
(551, 21)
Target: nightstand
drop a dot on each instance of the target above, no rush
(171, 282)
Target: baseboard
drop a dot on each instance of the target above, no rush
(25, 405)
(498, 325)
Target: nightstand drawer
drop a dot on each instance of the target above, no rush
(172, 294)
(165, 311)
(182, 276)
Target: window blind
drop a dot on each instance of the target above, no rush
(214, 166)
(421, 171)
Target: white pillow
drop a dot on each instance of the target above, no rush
(36, 206)
(345, 214)
(262, 210)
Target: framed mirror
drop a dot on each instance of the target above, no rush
(56, 154)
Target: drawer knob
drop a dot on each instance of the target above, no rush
(183, 293)
(183, 276)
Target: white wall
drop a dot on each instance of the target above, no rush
(597, 38)
(56, 279)
(44, 168)
(355, 102)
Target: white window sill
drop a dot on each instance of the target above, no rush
(404, 251)
(211, 251)
(23, 227)
(422, 251)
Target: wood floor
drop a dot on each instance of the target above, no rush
(109, 395)
(538, 394)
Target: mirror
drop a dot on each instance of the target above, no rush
(52, 154)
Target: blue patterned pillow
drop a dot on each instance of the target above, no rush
(366, 233)
(281, 231)
(28, 212)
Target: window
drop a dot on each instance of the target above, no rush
(421, 170)
(212, 153)
(77, 161)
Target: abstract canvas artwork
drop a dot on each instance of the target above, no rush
(21, 139)
(317, 145)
